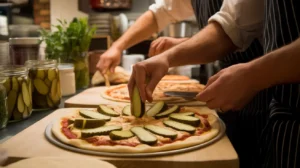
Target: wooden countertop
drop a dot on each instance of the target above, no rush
(31, 143)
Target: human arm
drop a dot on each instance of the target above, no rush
(202, 48)
(154, 20)
(243, 81)
(164, 43)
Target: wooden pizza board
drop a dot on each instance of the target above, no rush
(91, 98)
(32, 143)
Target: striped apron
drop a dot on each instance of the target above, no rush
(243, 127)
(280, 147)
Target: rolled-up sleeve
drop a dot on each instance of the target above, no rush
(242, 20)
(171, 11)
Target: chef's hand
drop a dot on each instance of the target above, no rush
(109, 60)
(149, 71)
(230, 89)
(162, 44)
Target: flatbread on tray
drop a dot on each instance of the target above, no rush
(208, 129)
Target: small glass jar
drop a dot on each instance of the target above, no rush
(46, 90)
(23, 49)
(3, 105)
(67, 79)
(18, 90)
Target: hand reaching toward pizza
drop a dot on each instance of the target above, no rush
(162, 44)
(230, 89)
(109, 60)
(154, 69)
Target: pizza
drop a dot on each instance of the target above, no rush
(175, 77)
(113, 128)
(120, 92)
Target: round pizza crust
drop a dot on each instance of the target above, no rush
(142, 148)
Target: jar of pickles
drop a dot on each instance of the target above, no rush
(3, 105)
(18, 91)
(46, 91)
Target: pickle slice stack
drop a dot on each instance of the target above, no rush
(46, 91)
(19, 98)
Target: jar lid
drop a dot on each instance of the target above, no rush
(12, 70)
(65, 66)
(24, 41)
(40, 63)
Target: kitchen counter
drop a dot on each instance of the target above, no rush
(14, 128)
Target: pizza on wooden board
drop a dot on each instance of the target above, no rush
(120, 92)
(136, 130)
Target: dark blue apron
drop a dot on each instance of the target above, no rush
(243, 127)
(280, 145)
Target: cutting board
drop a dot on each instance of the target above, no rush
(91, 98)
(32, 143)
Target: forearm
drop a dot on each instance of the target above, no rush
(277, 67)
(142, 29)
(208, 45)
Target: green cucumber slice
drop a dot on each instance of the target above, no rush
(88, 123)
(137, 105)
(193, 121)
(166, 113)
(157, 108)
(187, 113)
(107, 111)
(179, 126)
(161, 131)
(105, 130)
(93, 115)
(127, 110)
(144, 136)
(119, 135)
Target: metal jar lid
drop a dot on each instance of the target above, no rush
(24, 41)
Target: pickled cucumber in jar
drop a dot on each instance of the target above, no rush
(18, 91)
(3, 106)
(46, 91)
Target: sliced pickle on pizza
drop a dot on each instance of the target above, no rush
(144, 136)
(104, 130)
(88, 123)
(185, 119)
(166, 113)
(179, 126)
(71, 121)
(187, 113)
(161, 131)
(119, 135)
(93, 115)
(157, 108)
(137, 105)
(126, 110)
(107, 111)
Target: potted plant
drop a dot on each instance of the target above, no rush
(70, 44)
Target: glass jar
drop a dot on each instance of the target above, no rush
(67, 79)
(23, 49)
(46, 91)
(3, 105)
(18, 90)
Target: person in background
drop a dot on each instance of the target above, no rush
(233, 28)
(242, 126)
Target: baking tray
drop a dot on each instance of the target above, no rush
(50, 137)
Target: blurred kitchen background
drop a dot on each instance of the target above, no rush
(24, 18)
